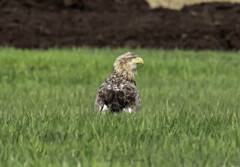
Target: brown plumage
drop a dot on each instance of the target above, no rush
(119, 91)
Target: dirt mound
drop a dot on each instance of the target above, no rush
(83, 5)
(47, 23)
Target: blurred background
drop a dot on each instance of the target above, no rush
(185, 24)
(178, 4)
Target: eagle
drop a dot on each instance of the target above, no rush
(119, 91)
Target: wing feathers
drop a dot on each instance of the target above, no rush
(118, 94)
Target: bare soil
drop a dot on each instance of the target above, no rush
(100, 23)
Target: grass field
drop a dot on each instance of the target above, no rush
(190, 109)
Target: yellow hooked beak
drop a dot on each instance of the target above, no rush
(138, 60)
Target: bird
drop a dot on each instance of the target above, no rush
(119, 92)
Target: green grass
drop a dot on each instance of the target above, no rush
(189, 117)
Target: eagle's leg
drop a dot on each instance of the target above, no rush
(103, 108)
(128, 110)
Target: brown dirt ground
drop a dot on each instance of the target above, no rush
(115, 23)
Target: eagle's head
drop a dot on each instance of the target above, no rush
(126, 65)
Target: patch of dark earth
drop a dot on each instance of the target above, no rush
(117, 23)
